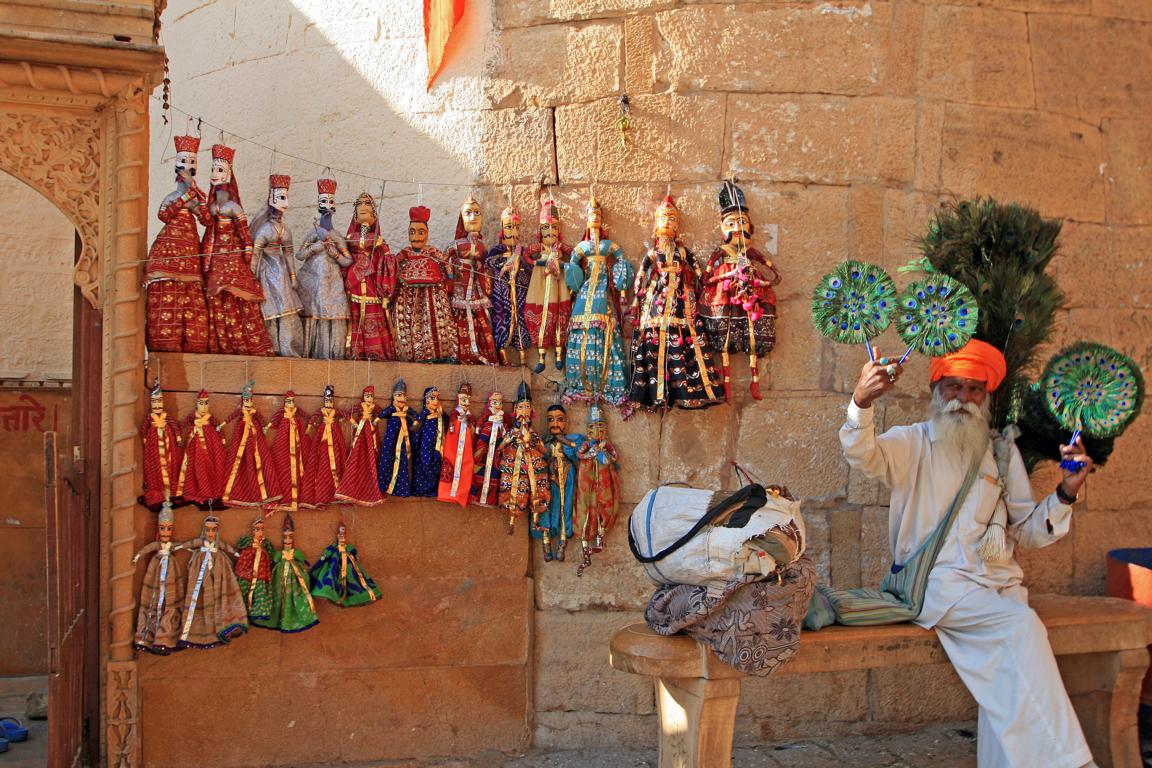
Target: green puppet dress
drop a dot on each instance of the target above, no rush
(254, 574)
(338, 576)
(293, 609)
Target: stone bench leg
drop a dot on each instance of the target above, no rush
(1105, 690)
(697, 717)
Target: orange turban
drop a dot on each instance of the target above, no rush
(977, 360)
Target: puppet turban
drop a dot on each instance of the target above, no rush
(977, 360)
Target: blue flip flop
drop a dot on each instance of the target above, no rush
(13, 729)
(3, 744)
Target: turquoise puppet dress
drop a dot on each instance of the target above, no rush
(594, 362)
(337, 576)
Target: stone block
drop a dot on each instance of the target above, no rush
(576, 730)
(798, 361)
(639, 54)
(572, 673)
(1121, 483)
(844, 527)
(875, 550)
(825, 139)
(867, 208)
(523, 13)
(1009, 155)
(696, 448)
(862, 489)
(1094, 533)
(905, 37)
(671, 137)
(800, 48)
(556, 64)
(898, 695)
(778, 707)
(975, 56)
(1129, 179)
(614, 581)
(1091, 67)
(907, 217)
(1051, 569)
(517, 145)
(929, 144)
(1099, 264)
(819, 541)
(1122, 9)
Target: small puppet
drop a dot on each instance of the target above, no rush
(598, 497)
(293, 609)
(369, 282)
(214, 611)
(323, 256)
(394, 474)
(425, 328)
(254, 573)
(202, 468)
(428, 449)
(338, 577)
(456, 469)
(471, 286)
(162, 454)
(554, 526)
(549, 299)
(329, 450)
(358, 483)
(511, 271)
(161, 608)
(275, 268)
(490, 432)
(252, 480)
(524, 484)
(292, 456)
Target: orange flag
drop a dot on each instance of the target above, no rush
(440, 18)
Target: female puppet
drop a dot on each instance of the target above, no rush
(395, 465)
(471, 286)
(275, 267)
(292, 456)
(738, 305)
(432, 428)
(161, 613)
(426, 331)
(254, 573)
(598, 497)
(369, 282)
(236, 325)
(594, 362)
(202, 468)
(554, 526)
(214, 611)
(293, 609)
(524, 485)
(329, 450)
(251, 480)
(358, 483)
(338, 577)
(672, 365)
(550, 289)
(324, 254)
(490, 432)
(162, 454)
(511, 271)
(456, 467)
(176, 314)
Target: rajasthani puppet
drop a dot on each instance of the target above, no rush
(252, 480)
(471, 286)
(292, 456)
(554, 526)
(738, 305)
(161, 614)
(329, 450)
(428, 451)
(423, 303)
(594, 362)
(176, 314)
(400, 425)
(490, 432)
(554, 277)
(598, 497)
(236, 325)
(456, 467)
(511, 271)
(274, 263)
(162, 454)
(672, 365)
(293, 609)
(254, 573)
(358, 483)
(338, 576)
(369, 282)
(202, 468)
(324, 254)
(524, 485)
(214, 610)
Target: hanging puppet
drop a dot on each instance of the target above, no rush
(511, 270)
(594, 358)
(251, 480)
(400, 427)
(427, 331)
(329, 450)
(358, 483)
(162, 454)
(524, 485)
(176, 314)
(672, 365)
(203, 466)
(598, 497)
(293, 609)
(490, 432)
(456, 467)
(369, 282)
(292, 456)
(554, 277)
(214, 610)
(324, 255)
(338, 576)
(236, 325)
(161, 614)
(738, 305)
(275, 267)
(428, 449)
(471, 286)
(254, 573)
(554, 526)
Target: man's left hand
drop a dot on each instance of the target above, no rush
(1073, 481)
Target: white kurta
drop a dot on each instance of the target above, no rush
(996, 642)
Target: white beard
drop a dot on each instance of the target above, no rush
(964, 427)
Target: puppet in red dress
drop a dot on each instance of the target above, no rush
(525, 487)
(423, 306)
(370, 281)
(292, 455)
(471, 288)
(456, 467)
(549, 299)
(329, 450)
(490, 432)
(358, 483)
(598, 494)
(201, 476)
(251, 480)
(162, 454)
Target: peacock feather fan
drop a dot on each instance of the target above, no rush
(853, 303)
(936, 316)
(1041, 434)
(1093, 388)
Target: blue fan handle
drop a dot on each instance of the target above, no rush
(905, 357)
(871, 352)
(1068, 464)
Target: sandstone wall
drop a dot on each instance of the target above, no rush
(846, 124)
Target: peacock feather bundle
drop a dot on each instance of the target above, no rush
(936, 316)
(853, 303)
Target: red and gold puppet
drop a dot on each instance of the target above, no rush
(176, 314)
(236, 324)
(329, 450)
(598, 494)
(292, 455)
(162, 454)
(358, 483)
(456, 466)
(549, 300)
(525, 487)
(252, 480)
(369, 282)
(254, 572)
(423, 303)
(490, 432)
(471, 289)
(202, 468)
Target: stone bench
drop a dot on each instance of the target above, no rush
(1101, 645)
